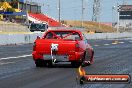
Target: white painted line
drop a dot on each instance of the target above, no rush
(114, 43)
(96, 45)
(121, 42)
(130, 41)
(6, 63)
(106, 44)
(16, 57)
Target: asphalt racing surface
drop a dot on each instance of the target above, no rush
(17, 69)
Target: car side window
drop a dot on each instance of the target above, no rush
(49, 36)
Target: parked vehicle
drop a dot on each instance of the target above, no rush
(62, 46)
(38, 27)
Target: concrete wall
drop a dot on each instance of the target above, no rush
(108, 35)
(29, 38)
(17, 38)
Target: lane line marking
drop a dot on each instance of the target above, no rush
(106, 44)
(16, 57)
(6, 63)
(121, 42)
(22, 56)
(114, 43)
(96, 45)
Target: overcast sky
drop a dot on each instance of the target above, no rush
(71, 9)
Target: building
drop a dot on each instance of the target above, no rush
(125, 17)
(23, 5)
(17, 9)
(24, 11)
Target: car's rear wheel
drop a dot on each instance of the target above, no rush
(40, 63)
(86, 59)
(76, 64)
(49, 63)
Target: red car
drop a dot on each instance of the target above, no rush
(62, 46)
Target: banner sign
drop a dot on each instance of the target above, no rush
(13, 13)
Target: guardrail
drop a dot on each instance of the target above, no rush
(18, 38)
(29, 38)
(108, 35)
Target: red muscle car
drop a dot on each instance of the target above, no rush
(62, 46)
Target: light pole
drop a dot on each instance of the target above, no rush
(117, 9)
(118, 18)
(82, 13)
(59, 10)
(113, 17)
(27, 21)
(117, 28)
(117, 22)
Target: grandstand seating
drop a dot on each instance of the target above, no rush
(41, 17)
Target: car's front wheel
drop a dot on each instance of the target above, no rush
(76, 64)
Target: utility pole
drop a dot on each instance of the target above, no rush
(118, 14)
(59, 11)
(117, 30)
(27, 21)
(124, 3)
(96, 10)
(82, 13)
(117, 21)
(113, 17)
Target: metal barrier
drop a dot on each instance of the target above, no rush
(108, 35)
(29, 38)
(18, 38)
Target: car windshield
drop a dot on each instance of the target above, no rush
(37, 26)
(68, 35)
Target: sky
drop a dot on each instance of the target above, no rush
(71, 9)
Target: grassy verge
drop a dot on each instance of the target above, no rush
(90, 26)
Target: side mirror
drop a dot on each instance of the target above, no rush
(38, 37)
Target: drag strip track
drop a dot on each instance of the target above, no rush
(17, 69)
